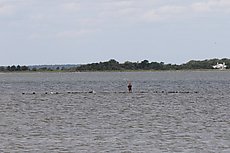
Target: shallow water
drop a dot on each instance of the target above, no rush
(167, 112)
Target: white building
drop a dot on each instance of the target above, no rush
(220, 66)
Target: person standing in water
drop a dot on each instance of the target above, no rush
(129, 87)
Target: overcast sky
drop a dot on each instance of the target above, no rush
(86, 31)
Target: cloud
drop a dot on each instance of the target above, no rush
(200, 7)
(171, 10)
(64, 18)
(114, 8)
(164, 12)
(75, 34)
(71, 6)
(212, 6)
(6, 9)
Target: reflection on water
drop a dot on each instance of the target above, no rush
(113, 120)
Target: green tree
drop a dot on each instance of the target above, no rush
(13, 68)
(8, 68)
(18, 68)
(24, 68)
(2, 69)
(34, 69)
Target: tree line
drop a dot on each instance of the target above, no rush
(19, 68)
(113, 65)
(13, 68)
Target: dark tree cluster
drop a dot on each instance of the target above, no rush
(13, 68)
(112, 65)
(42, 69)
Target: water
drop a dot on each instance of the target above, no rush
(112, 120)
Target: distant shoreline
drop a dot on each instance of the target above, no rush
(125, 71)
(114, 66)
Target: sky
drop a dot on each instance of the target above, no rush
(35, 32)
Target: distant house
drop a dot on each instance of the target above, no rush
(220, 66)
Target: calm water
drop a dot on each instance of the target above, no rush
(112, 120)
